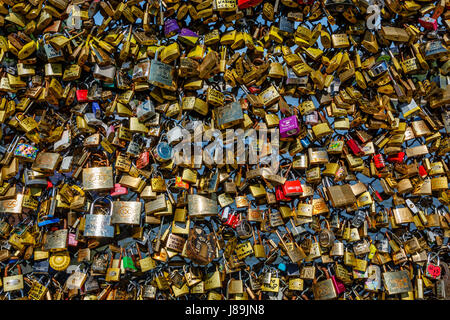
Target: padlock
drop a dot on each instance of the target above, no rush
(99, 225)
(113, 273)
(432, 270)
(13, 283)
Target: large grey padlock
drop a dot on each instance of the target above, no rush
(358, 218)
(243, 229)
(292, 78)
(254, 282)
(149, 291)
(99, 225)
(91, 284)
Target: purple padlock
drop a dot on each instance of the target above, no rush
(171, 28)
(188, 37)
(289, 127)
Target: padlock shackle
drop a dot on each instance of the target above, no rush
(19, 268)
(91, 209)
(112, 258)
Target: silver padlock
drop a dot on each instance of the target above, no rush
(175, 135)
(99, 225)
(30, 181)
(297, 230)
(243, 229)
(92, 120)
(382, 245)
(133, 148)
(267, 276)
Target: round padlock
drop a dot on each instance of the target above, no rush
(244, 229)
(326, 236)
(163, 152)
(60, 261)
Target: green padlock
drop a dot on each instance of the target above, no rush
(128, 264)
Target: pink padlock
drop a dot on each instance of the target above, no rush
(312, 118)
(118, 190)
(143, 160)
(337, 284)
(72, 240)
(110, 131)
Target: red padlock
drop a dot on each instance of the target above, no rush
(354, 146)
(397, 158)
(377, 194)
(244, 4)
(254, 90)
(279, 194)
(236, 221)
(428, 23)
(432, 270)
(292, 188)
(232, 220)
(379, 161)
(143, 160)
(305, 2)
(422, 171)
(82, 95)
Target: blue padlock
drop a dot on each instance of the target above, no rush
(282, 267)
(46, 222)
(305, 142)
(96, 109)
